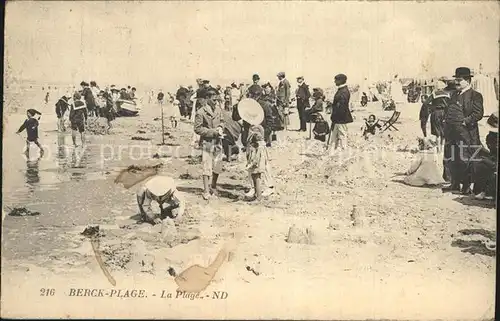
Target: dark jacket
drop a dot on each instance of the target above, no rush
(31, 126)
(204, 91)
(78, 112)
(340, 107)
(439, 100)
(424, 112)
(88, 97)
(61, 106)
(283, 93)
(268, 121)
(467, 107)
(206, 122)
(182, 94)
(254, 91)
(303, 94)
(317, 107)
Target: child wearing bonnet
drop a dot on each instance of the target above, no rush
(257, 158)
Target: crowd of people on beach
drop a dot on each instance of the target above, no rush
(246, 118)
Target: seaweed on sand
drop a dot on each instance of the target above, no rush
(194, 160)
(22, 211)
(140, 138)
(92, 231)
(134, 174)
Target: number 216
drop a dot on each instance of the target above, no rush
(47, 292)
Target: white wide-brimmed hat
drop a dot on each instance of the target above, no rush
(251, 111)
(160, 185)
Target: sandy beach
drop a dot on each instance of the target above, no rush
(415, 253)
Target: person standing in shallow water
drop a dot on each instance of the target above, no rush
(61, 108)
(31, 126)
(88, 98)
(78, 117)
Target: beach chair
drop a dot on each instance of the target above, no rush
(389, 124)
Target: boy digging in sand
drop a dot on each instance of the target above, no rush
(31, 126)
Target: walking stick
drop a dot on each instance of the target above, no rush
(162, 124)
(193, 114)
(329, 135)
(285, 119)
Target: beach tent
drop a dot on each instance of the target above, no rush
(373, 92)
(486, 86)
(364, 88)
(396, 91)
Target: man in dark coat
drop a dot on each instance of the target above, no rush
(255, 89)
(88, 97)
(341, 115)
(182, 96)
(461, 118)
(303, 95)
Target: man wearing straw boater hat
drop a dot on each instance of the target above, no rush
(461, 119)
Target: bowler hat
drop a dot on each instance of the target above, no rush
(255, 77)
(281, 74)
(463, 72)
(493, 121)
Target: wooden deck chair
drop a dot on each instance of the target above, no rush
(389, 124)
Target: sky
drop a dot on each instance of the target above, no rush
(168, 43)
